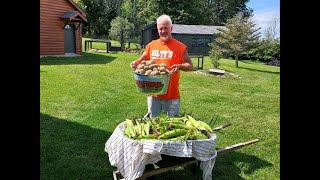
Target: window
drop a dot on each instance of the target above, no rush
(67, 26)
(200, 42)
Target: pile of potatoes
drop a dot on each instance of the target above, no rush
(150, 67)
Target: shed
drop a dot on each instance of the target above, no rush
(61, 27)
(196, 37)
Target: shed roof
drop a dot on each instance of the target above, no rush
(195, 29)
(190, 29)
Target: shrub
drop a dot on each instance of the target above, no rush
(215, 54)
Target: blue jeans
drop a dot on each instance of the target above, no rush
(169, 107)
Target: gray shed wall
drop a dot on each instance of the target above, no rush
(197, 43)
(148, 35)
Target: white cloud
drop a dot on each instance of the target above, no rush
(265, 19)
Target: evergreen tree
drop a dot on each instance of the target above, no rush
(240, 35)
(117, 26)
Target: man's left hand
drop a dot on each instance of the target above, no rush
(175, 68)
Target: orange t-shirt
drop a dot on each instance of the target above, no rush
(170, 53)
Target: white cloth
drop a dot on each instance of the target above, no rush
(130, 156)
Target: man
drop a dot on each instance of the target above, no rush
(174, 54)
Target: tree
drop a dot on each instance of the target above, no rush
(117, 25)
(271, 31)
(205, 12)
(238, 36)
(218, 11)
(139, 12)
(269, 46)
(99, 15)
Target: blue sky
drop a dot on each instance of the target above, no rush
(264, 12)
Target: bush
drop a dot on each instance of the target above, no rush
(266, 51)
(215, 54)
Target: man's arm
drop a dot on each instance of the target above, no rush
(186, 63)
(135, 63)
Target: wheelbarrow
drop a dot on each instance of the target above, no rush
(182, 162)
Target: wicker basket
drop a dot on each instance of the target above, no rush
(152, 84)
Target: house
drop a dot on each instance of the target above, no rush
(61, 27)
(196, 37)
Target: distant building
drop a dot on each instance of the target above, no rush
(196, 37)
(60, 27)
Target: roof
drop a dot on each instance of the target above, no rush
(190, 29)
(73, 15)
(195, 29)
(77, 7)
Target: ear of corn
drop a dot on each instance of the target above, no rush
(130, 132)
(181, 126)
(179, 138)
(193, 121)
(128, 122)
(173, 133)
(205, 126)
(166, 128)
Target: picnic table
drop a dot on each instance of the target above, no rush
(88, 43)
(199, 56)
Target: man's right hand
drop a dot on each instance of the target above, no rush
(133, 65)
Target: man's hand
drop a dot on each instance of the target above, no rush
(175, 68)
(133, 65)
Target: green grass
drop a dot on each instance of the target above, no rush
(83, 99)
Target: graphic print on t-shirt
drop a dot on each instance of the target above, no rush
(161, 54)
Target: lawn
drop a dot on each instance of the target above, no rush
(83, 99)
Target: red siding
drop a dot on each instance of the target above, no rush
(51, 27)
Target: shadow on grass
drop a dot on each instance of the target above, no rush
(86, 58)
(257, 70)
(225, 166)
(72, 151)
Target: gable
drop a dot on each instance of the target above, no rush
(78, 8)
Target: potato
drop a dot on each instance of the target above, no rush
(153, 66)
(150, 62)
(142, 71)
(163, 65)
(162, 69)
(154, 73)
(146, 67)
(137, 71)
(140, 66)
(148, 71)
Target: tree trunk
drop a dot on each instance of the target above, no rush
(236, 60)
